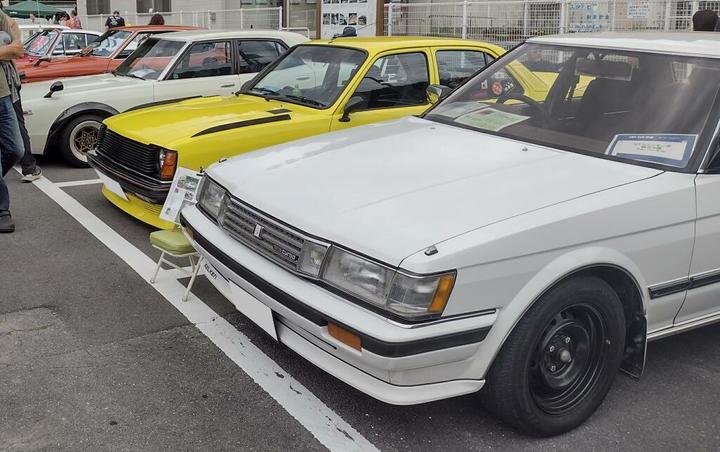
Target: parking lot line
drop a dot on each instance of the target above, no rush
(321, 421)
(76, 183)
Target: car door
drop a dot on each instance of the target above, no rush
(703, 297)
(254, 54)
(205, 69)
(393, 86)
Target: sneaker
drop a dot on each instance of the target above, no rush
(6, 224)
(34, 175)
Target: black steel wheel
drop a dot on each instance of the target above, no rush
(559, 362)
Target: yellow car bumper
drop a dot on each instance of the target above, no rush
(142, 210)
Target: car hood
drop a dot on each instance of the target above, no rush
(392, 189)
(192, 116)
(83, 86)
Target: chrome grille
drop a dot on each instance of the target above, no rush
(140, 157)
(268, 237)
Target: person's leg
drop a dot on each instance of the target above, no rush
(29, 166)
(11, 150)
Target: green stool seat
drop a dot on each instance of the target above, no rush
(173, 242)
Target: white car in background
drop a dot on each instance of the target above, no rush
(66, 115)
(523, 242)
(46, 41)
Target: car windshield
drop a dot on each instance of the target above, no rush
(311, 75)
(150, 59)
(40, 44)
(638, 107)
(108, 43)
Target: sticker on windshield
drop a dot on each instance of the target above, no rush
(490, 119)
(666, 149)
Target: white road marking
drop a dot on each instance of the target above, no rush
(321, 421)
(76, 183)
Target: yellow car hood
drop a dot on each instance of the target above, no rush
(167, 124)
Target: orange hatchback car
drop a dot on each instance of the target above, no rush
(103, 55)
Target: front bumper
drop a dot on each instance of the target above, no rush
(398, 363)
(142, 209)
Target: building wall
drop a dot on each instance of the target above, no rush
(130, 6)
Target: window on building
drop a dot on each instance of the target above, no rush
(395, 81)
(98, 7)
(158, 6)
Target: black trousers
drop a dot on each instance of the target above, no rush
(28, 161)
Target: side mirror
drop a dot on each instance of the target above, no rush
(44, 59)
(55, 87)
(435, 93)
(354, 104)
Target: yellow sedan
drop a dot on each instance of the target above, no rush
(314, 88)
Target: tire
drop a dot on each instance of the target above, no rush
(536, 387)
(76, 139)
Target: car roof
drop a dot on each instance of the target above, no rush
(380, 43)
(155, 27)
(703, 44)
(201, 35)
(42, 26)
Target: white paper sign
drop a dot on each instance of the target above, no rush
(112, 185)
(666, 149)
(638, 9)
(183, 192)
(338, 14)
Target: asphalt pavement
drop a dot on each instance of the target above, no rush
(93, 357)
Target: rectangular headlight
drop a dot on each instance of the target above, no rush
(211, 197)
(358, 276)
(406, 295)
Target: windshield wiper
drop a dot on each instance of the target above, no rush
(305, 100)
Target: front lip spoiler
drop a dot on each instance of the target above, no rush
(369, 343)
(145, 186)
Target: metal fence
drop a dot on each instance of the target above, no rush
(509, 22)
(232, 19)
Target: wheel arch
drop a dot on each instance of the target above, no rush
(617, 270)
(73, 112)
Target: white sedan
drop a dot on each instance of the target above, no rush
(525, 242)
(66, 115)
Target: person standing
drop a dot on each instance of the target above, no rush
(704, 20)
(157, 19)
(114, 21)
(11, 146)
(30, 169)
(74, 21)
(32, 18)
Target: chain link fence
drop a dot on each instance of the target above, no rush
(232, 19)
(510, 22)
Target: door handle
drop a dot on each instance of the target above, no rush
(229, 85)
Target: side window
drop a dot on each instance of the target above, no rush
(255, 55)
(395, 81)
(73, 42)
(132, 45)
(456, 66)
(205, 59)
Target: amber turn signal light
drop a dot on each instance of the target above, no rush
(169, 163)
(442, 293)
(352, 340)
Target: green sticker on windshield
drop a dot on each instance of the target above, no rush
(490, 119)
